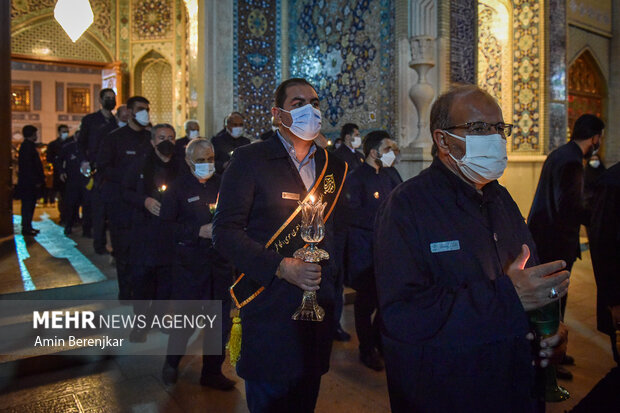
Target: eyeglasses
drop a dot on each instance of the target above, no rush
(483, 128)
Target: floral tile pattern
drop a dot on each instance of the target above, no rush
(255, 59)
(346, 50)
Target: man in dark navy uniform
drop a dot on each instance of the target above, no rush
(93, 129)
(282, 360)
(199, 272)
(228, 140)
(30, 178)
(348, 151)
(150, 246)
(51, 156)
(76, 194)
(365, 189)
(455, 274)
(119, 149)
(192, 131)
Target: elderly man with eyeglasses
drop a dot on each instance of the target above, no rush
(456, 271)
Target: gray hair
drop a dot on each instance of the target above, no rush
(197, 143)
(187, 122)
(159, 126)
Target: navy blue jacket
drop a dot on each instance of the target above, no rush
(93, 129)
(30, 177)
(120, 149)
(152, 242)
(251, 208)
(69, 162)
(558, 208)
(363, 192)
(454, 327)
(186, 207)
(354, 159)
(604, 235)
(224, 145)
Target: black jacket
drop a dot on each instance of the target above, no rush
(604, 235)
(558, 208)
(152, 242)
(363, 192)
(186, 207)
(451, 316)
(30, 177)
(94, 127)
(119, 150)
(251, 208)
(354, 159)
(224, 145)
(69, 162)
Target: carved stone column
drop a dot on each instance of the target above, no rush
(422, 93)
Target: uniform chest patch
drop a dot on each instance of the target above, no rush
(445, 246)
(193, 199)
(130, 152)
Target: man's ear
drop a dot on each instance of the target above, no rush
(440, 140)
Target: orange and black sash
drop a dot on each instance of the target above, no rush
(287, 239)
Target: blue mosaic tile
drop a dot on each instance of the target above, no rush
(346, 50)
(255, 65)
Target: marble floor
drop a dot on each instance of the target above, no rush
(132, 383)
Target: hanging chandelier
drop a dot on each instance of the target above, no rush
(74, 16)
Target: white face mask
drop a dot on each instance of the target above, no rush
(594, 163)
(193, 134)
(356, 142)
(485, 157)
(387, 159)
(306, 122)
(236, 131)
(204, 170)
(121, 123)
(142, 117)
(64, 135)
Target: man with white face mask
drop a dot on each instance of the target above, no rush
(256, 227)
(228, 140)
(192, 131)
(349, 151)
(120, 149)
(199, 272)
(365, 189)
(456, 271)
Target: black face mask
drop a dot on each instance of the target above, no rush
(166, 148)
(109, 104)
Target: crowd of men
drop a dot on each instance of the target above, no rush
(445, 268)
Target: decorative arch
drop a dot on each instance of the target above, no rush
(587, 88)
(153, 80)
(30, 35)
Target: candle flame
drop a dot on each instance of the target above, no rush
(163, 188)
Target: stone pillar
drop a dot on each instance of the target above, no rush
(422, 93)
(6, 205)
(557, 75)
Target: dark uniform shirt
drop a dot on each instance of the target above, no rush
(224, 145)
(454, 327)
(93, 129)
(69, 162)
(149, 177)
(353, 157)
(30, 177)
(119, 149)
(558, 209)
(364, 190)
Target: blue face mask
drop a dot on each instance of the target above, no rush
(306, 122)
(485, 157)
